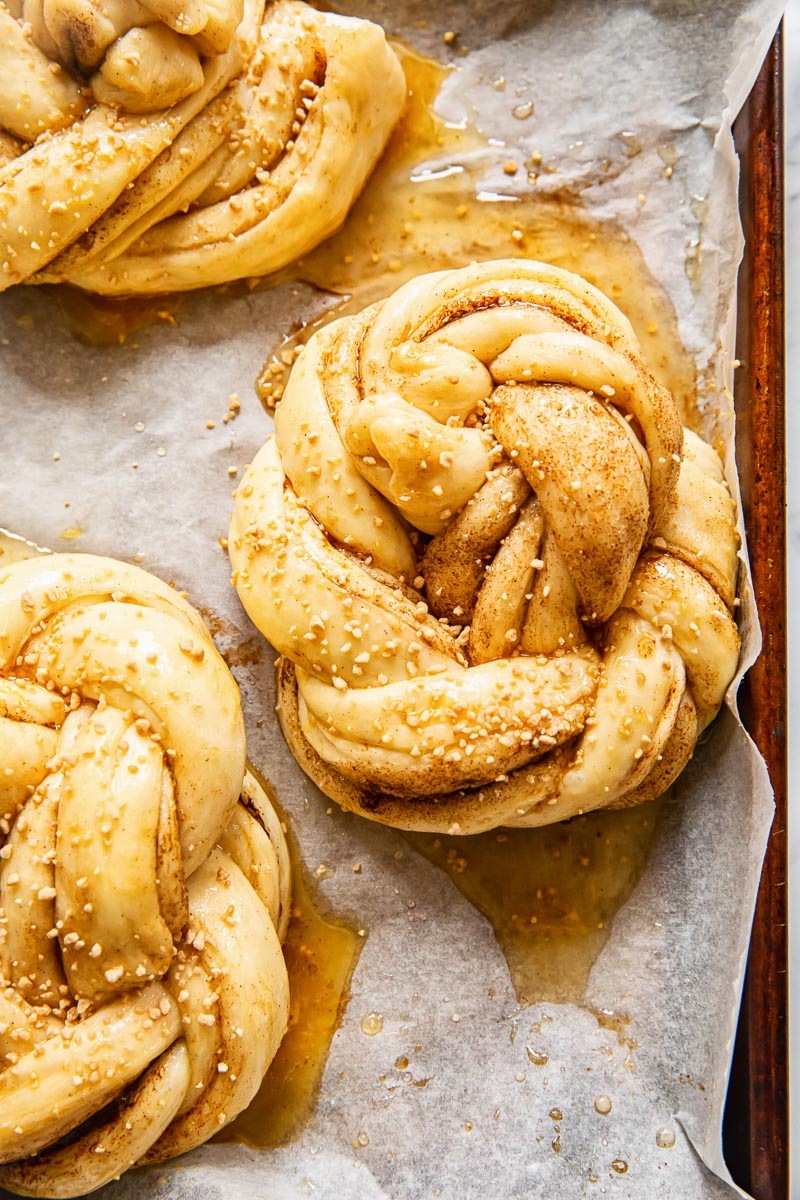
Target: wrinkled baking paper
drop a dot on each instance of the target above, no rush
(76, 419)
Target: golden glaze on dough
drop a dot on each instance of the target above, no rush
(498, 570)
(217, 141)
(144, 879)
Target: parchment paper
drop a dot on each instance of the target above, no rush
(76, 419)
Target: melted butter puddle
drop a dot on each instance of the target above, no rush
(551, 894)
(110, 320)
(414, 216)
(423, 210)
(321, 951)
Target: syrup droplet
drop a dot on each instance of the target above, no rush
(372, 1024)
(619, 1165)
(555, 1114)
(523, 111)
(536, 1057)
(665, 1137)
(631, 142)
(401, 1063)
(603, 1105)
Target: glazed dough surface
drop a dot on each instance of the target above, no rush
(163, 148)
(144, 879)
(500, 573)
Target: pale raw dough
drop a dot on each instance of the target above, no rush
(216, 142)
(144, 879)
(499, 571)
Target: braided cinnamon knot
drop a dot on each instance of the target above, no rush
(498, 570)
(215, 143)
(142, 904)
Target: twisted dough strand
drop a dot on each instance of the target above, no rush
(144, 879)
(498, 570)
(254, 160)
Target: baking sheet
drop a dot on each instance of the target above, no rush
(76, 419)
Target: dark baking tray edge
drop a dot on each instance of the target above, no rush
(757, 1116)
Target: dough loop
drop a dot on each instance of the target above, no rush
(212, 142)
(499, 572)
(142, 902)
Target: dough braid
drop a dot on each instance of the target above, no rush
(144, 880)
(151, 183)
(499, 572)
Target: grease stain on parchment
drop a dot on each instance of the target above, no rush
(551, 894)
(424, 209)
(321, 949)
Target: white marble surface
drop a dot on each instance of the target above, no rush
(792, 85)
